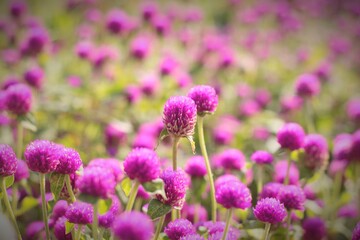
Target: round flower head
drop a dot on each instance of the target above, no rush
(17, 9)
(175, 186)
(140, 47)
(271, 190)
(18, 99)
(126, 226)
(353, 109)
(225, 178)
(69, 161)
(142, 193)
(355, 147)
(114, 137)
(231, 159)
(191, 212)
(22, 171)
(316, 150)
(142, 164)
(42, 156)
(356, 232)
(59, 210)
(80, 213)
(348, 211)
(8, 161)
(292, 197)
(291, 136)
(34, 229)
(34, 77)
(270, 210)
(179, 116)
(262, 157)
(291, 103)
(149, 10)
(337, 166)
(216, 229)
(60, 230)
(144, 140)
(249, 108)
(262, 97)
(231, 235)
(194, 236)
(307, 85)
(314, 229)
(117, 21)
(107, 219)
(233, 194)
(196, 167)
(110, 164)
(97, 181)
(281, 169)
(179, 228)
(342, 145)
(205, 98)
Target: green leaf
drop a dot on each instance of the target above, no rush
(126, 186)
(68, 227)
(9, 180)
(104, 205)
(27, 204)
(157, 209)
(155, 187)
(164, 134)
(88, 198)
(192, 143)
(57, 181)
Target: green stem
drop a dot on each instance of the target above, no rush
(208, 166)
(44, 205)
(228, 219)
(336, 192)
(309, 116)
(78, 232)
(287, 177)
(69, 188)
(174, 152)
(288, 225)
(8, 207)
(260, 178)
(19, 140)
(159, 227)
(95, 222)
(267, 231)
(132, 196)
(14, 197)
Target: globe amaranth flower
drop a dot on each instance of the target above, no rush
(17, 9)
(179, 116)
(225, 178)
(196, 167)
(140, 47)
(115, 135)
(60, 230)
(97, 181)
(194, 236)
(69, 161)
(270, 190)
(142, 164)
(34, 77)
(270, 210)
(205, 98)
(8, 161)
(348, 211)
(356, 232)
(262, 157)
(316, 151)
(110, 164)
(149, 10)
(230, 159)
(42, 156)
(291, 136)
(106, 220)
(22, 171)
(175, 186)
(281, 170)
(216, 230)
(307, 85)
(142, 193)
(292, 197)
(179, 228)
(314, 229)
(58, 211)
(231, 235)
(354, 153)
(191, 212)
(80, 213)
(18, 99)
(353, 109)
(126, 226)
(342, 146)
(117, 21)
(233, 194)
(33, 230)
(262, 97)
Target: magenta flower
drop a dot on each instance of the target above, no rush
(307, 85)
(149, 10)
(18, 99)
(262, 97)
(224, 179)
(316, 151)
(341, 146)
(58, 211)
(233, 194)
(194, 236)
(111, 164)
(168, 65)
(179, 116)
(142, 164)
(348, 211)
(42, 156)
(216, 229)
(291, 103)
(80, 213)
(292, 197)
(314, 229)
(69, 161)
(191, 212)
(356, 232)
(35, 230)
(179, 228)
(230, 159)
(281, 169)
(84, 49)
(114, 137)
(271, 190)
(205, 98)
(353, 109)
(126, 226)
(355, 147)
(34, 77)
(18, 9)
(291, 136)
(117, 21)
(196, 167)
(262, 157)
(270, 210)
(106, 220)
(59, 229)
(140, 47)
(22, 171)
(8, 161)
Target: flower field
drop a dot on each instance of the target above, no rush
(180, 120)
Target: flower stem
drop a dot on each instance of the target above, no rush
(132, 196)
(174, 152)
(78, 232)
(44, 205)
(228, 219)
(8, 207)
(260, 178)
(288, 225)
(69, 188)
(208, 167)
(267, 231)
(14, 197)
(159, 227)
(287, 176)
(95, 222)
(19, 140)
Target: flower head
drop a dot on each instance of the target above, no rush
(270, 210)
(307, 85)
(230, 159)
(281, 172)
(292, 197)
(216, 230)
(314, 229)
(126, 226)
(107, 219)
(316, 150)
(205, 98)
(353, 109)
(196, 167)
(262, 157)
(18, 99)
(356, 232)
(59, 229)
(8, 161)
(34, 229)
(142, 164)
(190, 212)
(233, 194)
(69, 161)
(225, 178)
(58, 211)
(34, 77)
(117, 21)
(110, 164)
(114, 137)
(80, 213)
(179, 228)
(271, 190)
(22, 171)
(179, 116)
(291, 136)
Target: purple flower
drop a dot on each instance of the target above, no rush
(292, 197)
(190, 211)
(270, 210)
(126, 226)
(161, 24)
(230, 159)
(231, 235)
(224, 179)
(337, 166)
(281, 170)
(132, 93)
(8, 161)
(59, 211)
(271, 190)
(168, 65)
(144, 140)
(69, 161)
(18, 99)
(314, 229)
(356, 232)
(216, 229)
(291, 103)
(307, 85)
(249, 108)
(348, 211)
(175, 186)
(355, 147)
(149, 85)
(149, 10)
(140, 47)
(34, 42)
(17, 9)
(59, 230)
(84, 49)
(106, 220)
(179, 228)
(117, 21)
(34, 77)
(179, 116)
(34, 229)
(316, 150)
(142, 193)
(262, 157)
(42, 156)
(194, 236)
(291, 136)
(205, 98)
(262, 97)
(342, 144)
(233, 194)
(97, 181)
(142, 164)
(353, 109)
(110, 164)
(80, 213)
(196, 167)
(115, 136)
(22, 171)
